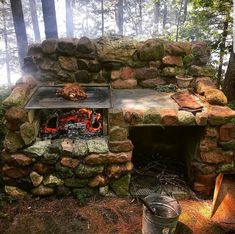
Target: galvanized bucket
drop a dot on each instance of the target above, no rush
(167, 212)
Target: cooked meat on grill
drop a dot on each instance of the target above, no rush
(72, 91)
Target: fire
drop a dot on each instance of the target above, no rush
(83, 122)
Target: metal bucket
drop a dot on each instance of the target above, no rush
(165, 219)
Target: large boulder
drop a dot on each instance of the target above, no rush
(67, 46)
(121, 186)
(28, 133)
(38, 149)
(215, 97)
(17, 97)
(13, 142)
(152, 49)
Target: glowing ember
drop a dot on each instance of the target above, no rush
(82, 122)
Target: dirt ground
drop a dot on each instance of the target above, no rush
(106, 215)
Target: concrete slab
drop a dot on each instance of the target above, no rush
(142, 99)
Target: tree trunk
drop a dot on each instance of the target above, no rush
(141, 16)
(157, 15)
(164, 16)
(222, 49)
(120, 17)
(229, 81)
(6, 47)
(102, 17)
(49, 17)
(178, 20)
(19, 25)
(34, 17)
(69, 18)
(185, 10)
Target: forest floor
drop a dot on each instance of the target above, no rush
(101, 216)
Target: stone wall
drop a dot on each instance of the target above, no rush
(65, 166)
(122, 62)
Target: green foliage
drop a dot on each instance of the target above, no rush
(166, 88)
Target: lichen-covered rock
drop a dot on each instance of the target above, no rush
(16, 115)
(178, 48)
(19, 159)
(49, 46)
(215, 97)
(52, 181)
(97, 159)
(99, 180)
(228, 145)
(50, 158)
(146, 73)
(55, 146)
(67, 46)
(218, 115)
(152, 49)
(68, 63)
(152, 116)
(124, 84)
(121, 49)
(134, 117)
(127, 73)
(120, 146)
(118, 134)
(67, 147)
(121, 186)
(116, 117)
(201, 118)
(42, 191)
(14, 172)
(17, 96)
(13, 142)
(75, 182)
(203, 84)
(85, 45)
(172, 71)
(169, 117)
(36, 178)
(85, 171)
(152, 83)
(80, 148)
(14, 192)
(117, 170)
(28, 133)
(38, 148)
(64, 172)
(98, 145)
(41, 168)
(202, 71)
(217, 156)
(171, 60)
(186, 118)
(225, 167)
(34, 49)
(69, 162)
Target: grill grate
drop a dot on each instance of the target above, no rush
(45, 97)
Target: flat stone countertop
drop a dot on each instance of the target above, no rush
(142, 99)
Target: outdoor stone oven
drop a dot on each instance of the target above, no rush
(137, 73)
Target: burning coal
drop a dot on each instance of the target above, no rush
(84, 123)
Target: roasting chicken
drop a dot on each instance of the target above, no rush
(72, 91)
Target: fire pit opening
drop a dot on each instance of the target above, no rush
(71, 123)
(163, 158)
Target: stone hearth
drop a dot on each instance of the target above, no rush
(136, 71)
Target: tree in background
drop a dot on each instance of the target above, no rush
(19, 25)
(34, 17)
(69, 17)
(49, 17)
(119, 16)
